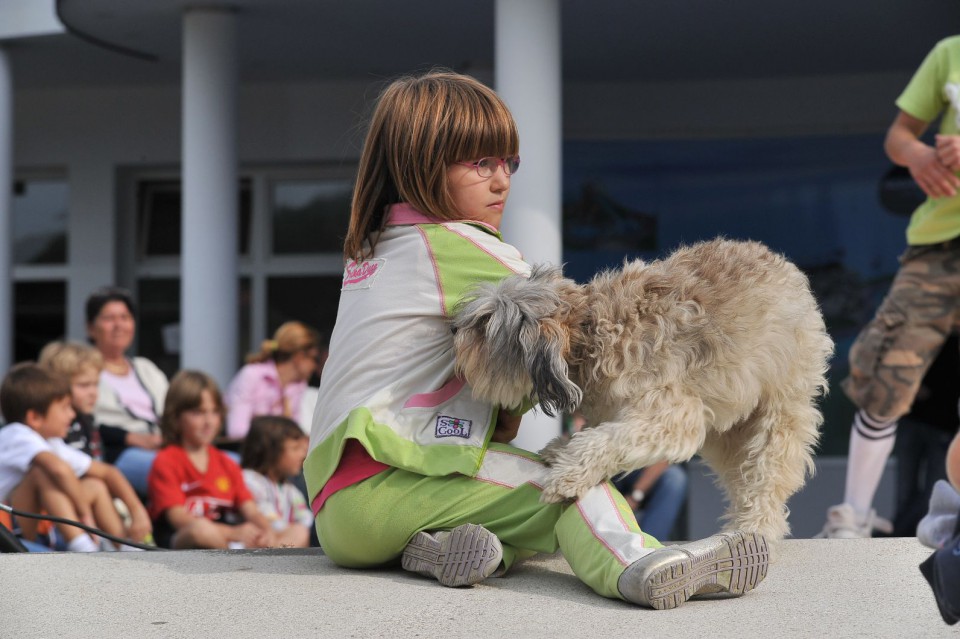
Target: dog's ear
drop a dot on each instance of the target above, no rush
(546, 348)
(510, 341)
(549, 372)
(489, 328)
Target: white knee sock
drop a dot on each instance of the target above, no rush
(82, 543)
(871, 442)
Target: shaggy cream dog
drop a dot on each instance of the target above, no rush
(719, 349)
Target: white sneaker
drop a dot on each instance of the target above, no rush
(466, 555)
(843, 522)
(733, 563)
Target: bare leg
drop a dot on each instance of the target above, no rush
(294, 536)
(101, 503)
(38, 489)
(200, 533)
(26, 497)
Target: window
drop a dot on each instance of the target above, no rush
(40, 268)
(310, 216)
(159, 221)
(291, 225)
(39, 316)
(40, 221)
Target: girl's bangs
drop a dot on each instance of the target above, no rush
(484, 129)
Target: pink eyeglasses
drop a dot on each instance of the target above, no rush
(486, 167)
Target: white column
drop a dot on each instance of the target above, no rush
(6, 212)
(92, 229)
(527, 76)
(208, 297)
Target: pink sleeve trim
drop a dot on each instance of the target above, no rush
(437, 397)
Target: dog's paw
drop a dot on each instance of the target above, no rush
(551, 452)
(564, 485)
(551, 497)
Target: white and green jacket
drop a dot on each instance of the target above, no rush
(389, 380)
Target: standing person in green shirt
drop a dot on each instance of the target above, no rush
(893, 352)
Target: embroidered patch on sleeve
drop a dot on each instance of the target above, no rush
(360, 275)
(453, 427)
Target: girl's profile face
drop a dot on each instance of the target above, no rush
(199, 426)
(290, 462)
(478, 198)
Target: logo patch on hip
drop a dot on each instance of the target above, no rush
(453, 427)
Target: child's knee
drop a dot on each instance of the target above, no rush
(199, 533)
(95, 488)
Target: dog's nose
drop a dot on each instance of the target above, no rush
(453, 329)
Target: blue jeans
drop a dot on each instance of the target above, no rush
(135, 465)
(663, 503)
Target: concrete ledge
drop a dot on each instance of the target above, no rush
(817, 588)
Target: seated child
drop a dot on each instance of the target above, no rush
(273, 454)
(197, 495)
(38, 471)
(81, 364)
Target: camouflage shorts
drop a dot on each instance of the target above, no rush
(893, 352)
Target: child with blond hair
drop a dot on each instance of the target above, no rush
(81, 364)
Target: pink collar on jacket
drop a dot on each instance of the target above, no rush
(406, 214)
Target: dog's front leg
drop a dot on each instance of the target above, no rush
(550, 452)
(589, 458)
(632, 442)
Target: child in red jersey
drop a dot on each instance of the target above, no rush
(197, 495)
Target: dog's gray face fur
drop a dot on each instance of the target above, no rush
(511, 340)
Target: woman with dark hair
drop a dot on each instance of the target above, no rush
(132, 389)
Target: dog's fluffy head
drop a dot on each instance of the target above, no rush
(512, 340)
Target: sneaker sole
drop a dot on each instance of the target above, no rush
(735, 564)
(467, 555)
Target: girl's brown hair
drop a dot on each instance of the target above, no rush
(420, 126)
(186, 393)
(289, 338)
(264, 442)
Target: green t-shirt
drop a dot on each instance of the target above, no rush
(935, 89)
